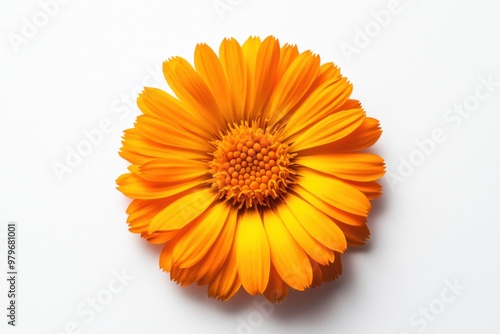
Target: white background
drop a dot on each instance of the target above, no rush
(436, 223)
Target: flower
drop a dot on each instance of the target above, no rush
(251, 175)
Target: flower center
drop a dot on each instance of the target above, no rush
(250, 166)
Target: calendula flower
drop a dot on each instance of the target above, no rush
(252, 175)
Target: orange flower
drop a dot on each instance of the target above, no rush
(252, 174)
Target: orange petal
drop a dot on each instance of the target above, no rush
(166, 255)
(250, 49)
(193, 92)
(349, 104)
(328, 74)
(154, 101)
(290, 261)
(252, 250)
(170, 134)
(214, 260)
(210, 70)
(330, 129)
(363, 137)
(141, 213)
(333, 270)
(172, 169)
(319, 225)
(350, 166)
(335, 192)
(135, 187)
(294, 84)
(319, 104)
(182, 276)
(200, 235)
(137, 149)
(371, 189)
(231, 58)
(355, 235)
(159, 237)
(266, 66)
(277, 289)
(288, 53)
(315, 249)
(317, 274)
(227, 282)
(183, 210)
(332, 211)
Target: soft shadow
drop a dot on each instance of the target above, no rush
(151, 249)
(379, 205)
(239, 302)
(375, 222)
(308, 304)
(297, 304)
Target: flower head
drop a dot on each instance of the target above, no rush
(251, 174)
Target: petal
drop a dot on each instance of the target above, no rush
(316, 250)
(319, 225)
(290, 261)
(250, 49)
(182, 276)
(370, 189)
(141, 213)
(252, 250)
(231, 58)
(330, 129)
(227, 282)
(319, 104)
(200, 235)
(137, 149)
(328, 74)
(133, 186)
(193, 92)
(335, 192)
(355, 235)
(294, 84)
(183, 210)
(264, 80)
(214, 260)
(288, 53)
(277, 289)
(351, 166)
(159, 237)
(363, 137)
(170, 134)
(349, 104)
(317, 274)
(172, 169)
(166, 255)
(154, 101)
(333, 270)
(332, 211)
(209, 68)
